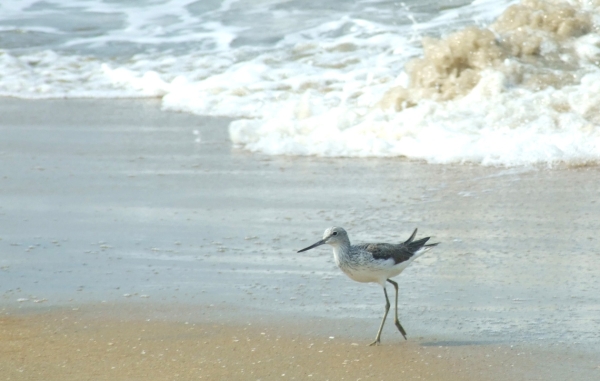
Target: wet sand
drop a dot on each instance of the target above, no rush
(113, 213)
(96, 342)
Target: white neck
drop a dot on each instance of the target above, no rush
(340, 253)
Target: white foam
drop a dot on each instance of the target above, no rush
(499, 122)
(492, 125)
(318, 90)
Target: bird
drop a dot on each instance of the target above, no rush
(374, 262)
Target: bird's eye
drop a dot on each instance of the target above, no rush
(334, 233)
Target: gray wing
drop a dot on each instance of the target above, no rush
(399, 253)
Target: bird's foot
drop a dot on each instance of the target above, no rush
(375, 343)
(402, 331)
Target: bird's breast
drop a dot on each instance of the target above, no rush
(356, 268)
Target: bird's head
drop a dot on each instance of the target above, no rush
(334, 236)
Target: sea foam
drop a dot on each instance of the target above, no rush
(522, 91)
(507, 83)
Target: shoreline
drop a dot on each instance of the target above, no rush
(119, 202)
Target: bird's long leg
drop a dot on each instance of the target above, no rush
(387, 308)
(396, 321)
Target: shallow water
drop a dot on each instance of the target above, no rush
(116, 201)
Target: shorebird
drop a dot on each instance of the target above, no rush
(374, 262)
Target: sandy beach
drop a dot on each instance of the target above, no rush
(139, 244)
(94, 343)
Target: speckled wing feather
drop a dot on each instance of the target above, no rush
(398, 252)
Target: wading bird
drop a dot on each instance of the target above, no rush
(374, 262)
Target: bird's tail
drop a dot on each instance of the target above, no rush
(418, 247)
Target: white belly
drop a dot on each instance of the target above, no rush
(376, 272)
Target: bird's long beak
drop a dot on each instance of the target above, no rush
(321, 242)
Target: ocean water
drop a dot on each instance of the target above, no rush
(492, 82)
